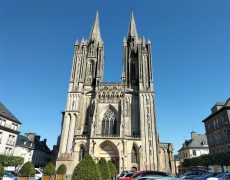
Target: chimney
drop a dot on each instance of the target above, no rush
(44, 141)
(31, 136)
(37, 137)
(193, 134)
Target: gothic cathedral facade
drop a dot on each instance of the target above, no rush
(116, 121)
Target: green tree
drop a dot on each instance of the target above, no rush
(61, 169)
(27, 169)
(49, 169)
(11, 160)
(111, 169)
(104, 169)
(86, 170)
(1, 170)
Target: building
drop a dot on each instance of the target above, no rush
(24, 147)
(9, 130)
(194, 147)
(217, 126)
(116, 121)
(42, 153)
(166, 156)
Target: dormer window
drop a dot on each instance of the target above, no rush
(204, 143)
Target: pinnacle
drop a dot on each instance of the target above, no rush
(132, 32)
(95, 33)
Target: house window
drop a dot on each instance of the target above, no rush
(0, 137)
(2, 122)
(194, 152)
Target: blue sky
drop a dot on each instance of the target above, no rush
(191, 57)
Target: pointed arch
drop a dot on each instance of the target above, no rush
(81, 152)
(110, 122)
(135, 156)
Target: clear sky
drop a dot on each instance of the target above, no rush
(191, 57)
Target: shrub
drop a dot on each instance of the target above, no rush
(1, 170)
(112, 169)
(104, 169)
(27, 169)
(49, 169)
(11, 160)
(86, 170)
(61, 169)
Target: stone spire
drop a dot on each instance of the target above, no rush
(132, 32)
(95, 33)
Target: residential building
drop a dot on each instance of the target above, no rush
(24, 147)
(116, 121)
(194, 147)
(9, 130)
(217, 126)
(42, 153)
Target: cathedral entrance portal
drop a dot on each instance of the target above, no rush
(109, 151)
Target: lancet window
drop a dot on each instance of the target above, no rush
(109, 123)
(134, 156)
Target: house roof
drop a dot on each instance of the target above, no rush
(7, 114)
(24, 141)
(196, 142)
(226, 106)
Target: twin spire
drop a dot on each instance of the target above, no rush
(96, 35)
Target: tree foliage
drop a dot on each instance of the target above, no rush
(27, 169)
(112, 169)
(86, 170)
(222, 159)
(104, 169)
(11, 160)
(49, 169)
(1, 170)
(61, 169)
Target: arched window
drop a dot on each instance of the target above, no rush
(134, 156)
(109, 124)
(81, 153)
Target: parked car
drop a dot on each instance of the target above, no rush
(129, 174)
(207, 175)
(152, 177)
(38, 174)
(190, 175)
(8, 175)
(220, 176)
(155, 174)
(136, 174)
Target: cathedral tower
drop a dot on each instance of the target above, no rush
(111, 120)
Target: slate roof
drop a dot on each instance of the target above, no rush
(196, 142)
(226, 106)
(21, 142)
(7, 114)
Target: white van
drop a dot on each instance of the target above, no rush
(38, 174)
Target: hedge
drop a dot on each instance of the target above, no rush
(49, 169)
(104, 169)
(11, 160)
(112, 169)
(1, 170)
(221, 159)
(86, 170)
(27, 169)
(61, 169)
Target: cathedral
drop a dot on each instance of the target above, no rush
(116, 121)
